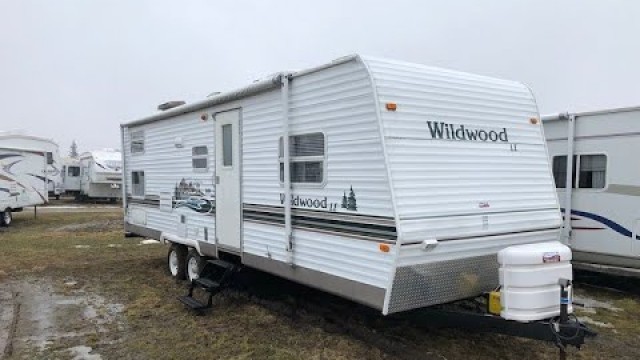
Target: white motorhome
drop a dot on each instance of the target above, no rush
(601, 198)
(71, 176)
(101, 175)
(389, 183)
(24, 162)
(53, 172)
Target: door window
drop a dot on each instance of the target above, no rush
(227, 145)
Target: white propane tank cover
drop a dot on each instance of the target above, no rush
(529, 280)
(534, 254)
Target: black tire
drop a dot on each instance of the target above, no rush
(57, 197)
(6, 218)
(176, 266)
(193, 265)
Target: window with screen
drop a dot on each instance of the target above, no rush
(137, 142)
(306, 158)
(199, 157)
(73, 171)
(588, 171)
(137, 183)
(592, 171)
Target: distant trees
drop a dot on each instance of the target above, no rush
(73, 151)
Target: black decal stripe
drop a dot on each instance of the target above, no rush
(387, 221)
(42, 178)
(342, 224)
(350, 234)
(137, 201)
(376, 228)
(5, 156)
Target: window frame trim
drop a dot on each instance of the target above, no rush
(69, 167)
(312, 158)
(144, 185)
(606, 171)
(205, 156)
(222, 165)
(144, 141)
(578, 165)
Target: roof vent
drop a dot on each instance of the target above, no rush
(170, 105)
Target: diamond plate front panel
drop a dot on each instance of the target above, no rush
(441, 282)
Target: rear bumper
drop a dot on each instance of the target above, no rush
(452, 270)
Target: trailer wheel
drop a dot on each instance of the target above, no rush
(5, 217)
(176, 261)
(194, 264)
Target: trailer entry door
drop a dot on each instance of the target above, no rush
(228, 202)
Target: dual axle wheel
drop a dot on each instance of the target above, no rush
(184, 263)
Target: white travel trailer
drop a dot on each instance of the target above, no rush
(101, 175)
(23, 174)
(392, 184)
(601, 199)
(71, 176)
(54, 164)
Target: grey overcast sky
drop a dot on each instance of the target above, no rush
(77, 69)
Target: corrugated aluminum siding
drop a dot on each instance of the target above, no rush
(441, 185)
(165, 165)
(339, 102)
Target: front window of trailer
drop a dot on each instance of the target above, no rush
(306, 158)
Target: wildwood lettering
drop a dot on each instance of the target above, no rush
(443, 130)
(306, 202)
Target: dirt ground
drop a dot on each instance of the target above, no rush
(72, 287)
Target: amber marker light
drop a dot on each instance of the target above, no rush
(384, 248)
(203, 117)
(391, 106)
(533, 121)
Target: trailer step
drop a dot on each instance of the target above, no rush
(206, 284)
(192, 303)
(221, 263)
(214, 277)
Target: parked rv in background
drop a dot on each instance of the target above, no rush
(71, 176)
(24, 164)
(53, 172)
(392, 184)
(100, 175)
(601, 196)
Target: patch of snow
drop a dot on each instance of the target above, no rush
(82, 246)
(590, 321)
(149, 242)
(114, 245)
(593, 303)
(83, 353)
(586, 310)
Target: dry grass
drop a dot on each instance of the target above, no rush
(155, 326)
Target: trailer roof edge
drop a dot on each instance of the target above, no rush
(256, 87)
(560, 116)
